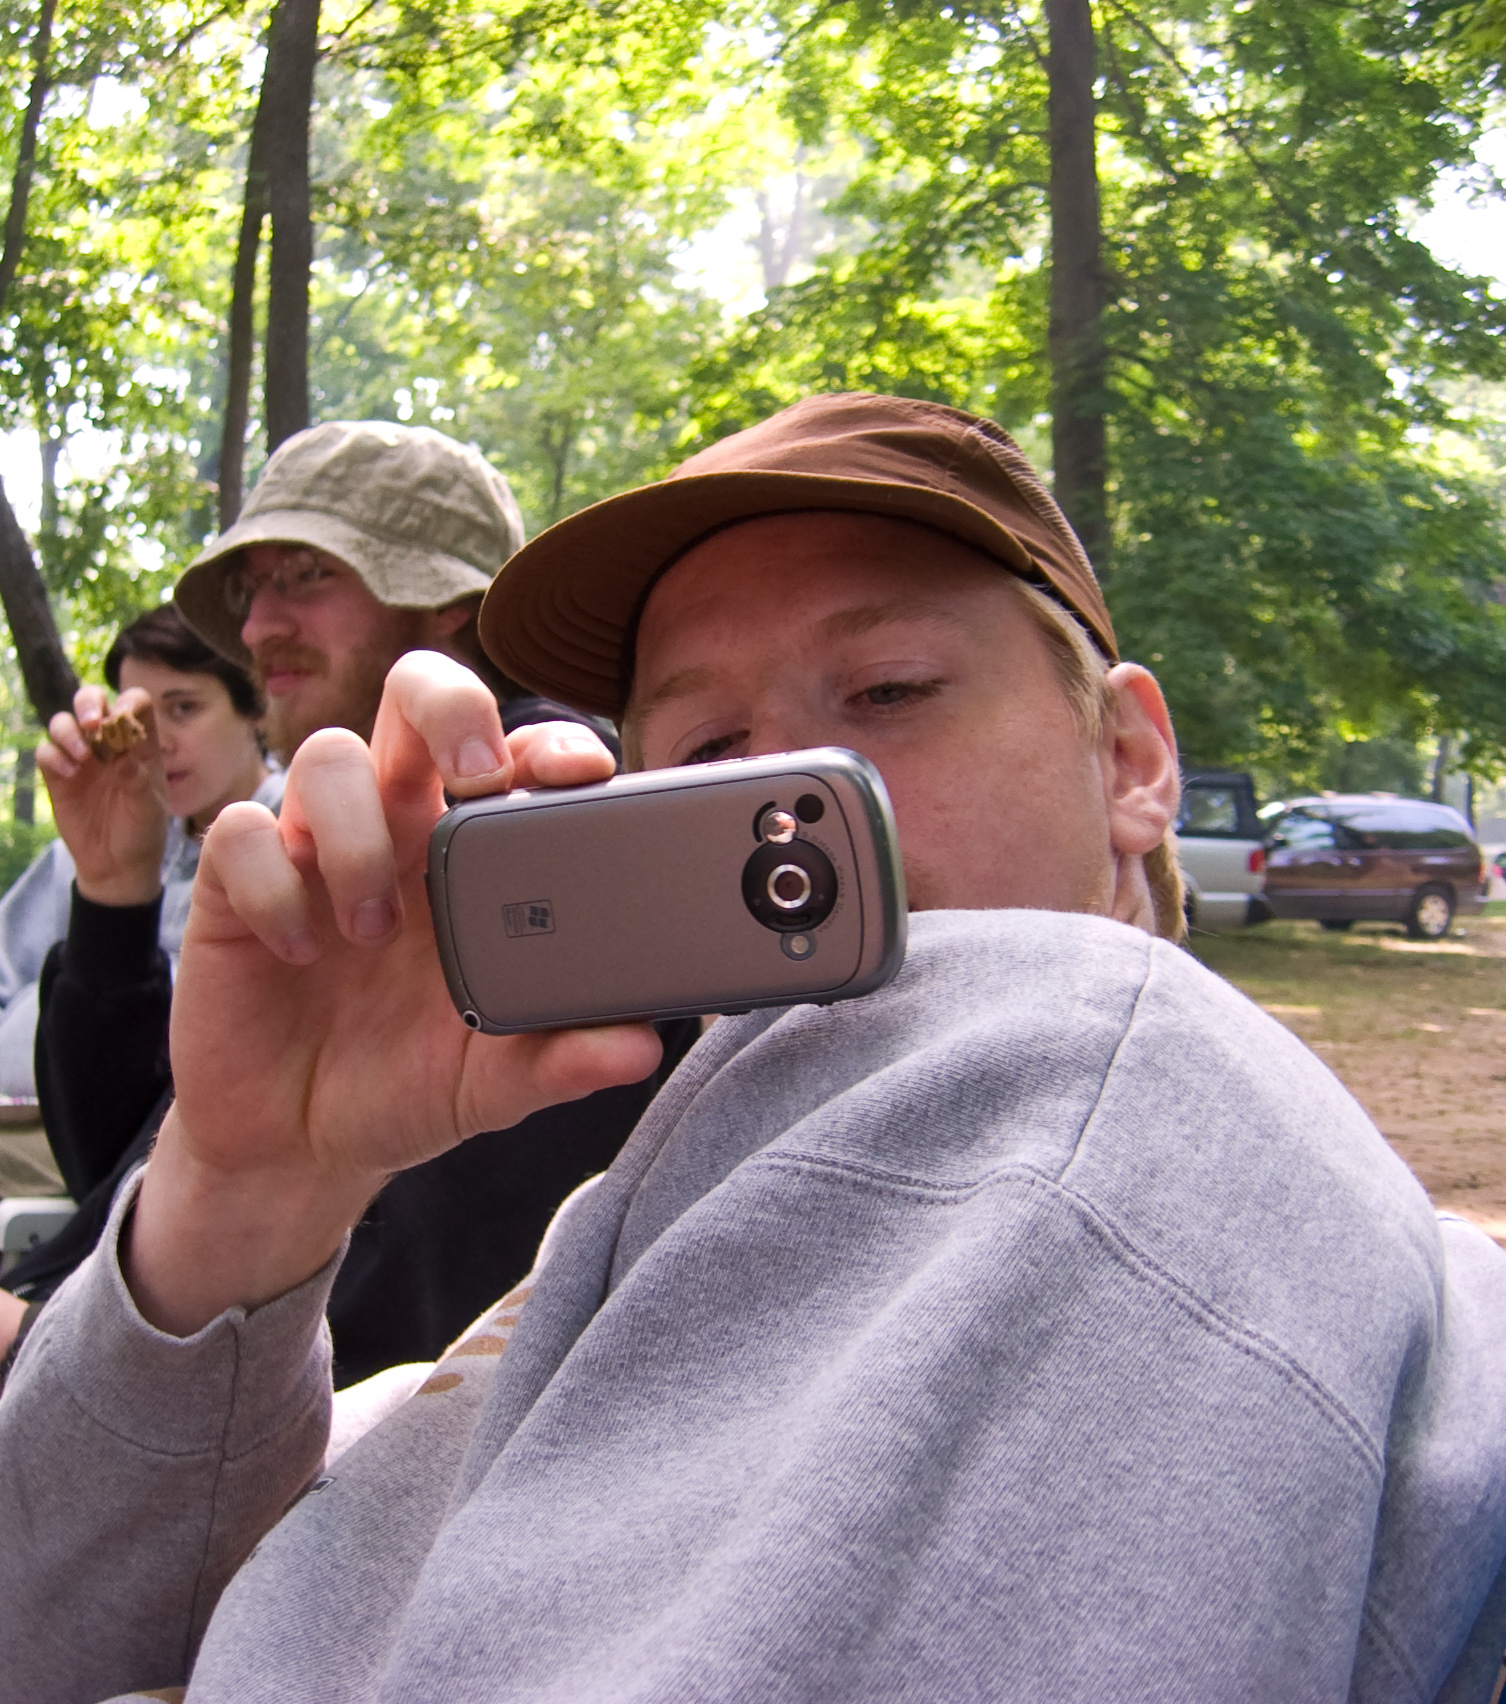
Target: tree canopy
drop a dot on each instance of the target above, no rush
(591, 238)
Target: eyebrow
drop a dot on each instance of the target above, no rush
(681, 684)
(854, 623)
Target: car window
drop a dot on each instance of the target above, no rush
(1409, 828)
(1303, 832)
(1209, 810)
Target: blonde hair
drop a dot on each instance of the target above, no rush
(1084, 676)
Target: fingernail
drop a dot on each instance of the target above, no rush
(576, 742)
(373, 919)
(476, 757)
(302, 948)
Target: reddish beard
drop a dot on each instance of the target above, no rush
(343, 695)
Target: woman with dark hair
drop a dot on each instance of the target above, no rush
(202, 754)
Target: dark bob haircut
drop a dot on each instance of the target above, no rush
(161, 635)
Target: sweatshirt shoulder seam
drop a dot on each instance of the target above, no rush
(1147, 966)
(1374, 1629)
(1238, 1334)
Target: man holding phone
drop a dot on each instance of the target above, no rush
(1049, 1324)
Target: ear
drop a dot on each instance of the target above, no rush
(1144, 784)
(446, 623)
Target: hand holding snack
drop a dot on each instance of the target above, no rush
(120, 732)
(103, 769)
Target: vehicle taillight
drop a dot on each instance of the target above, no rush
(1256, 861)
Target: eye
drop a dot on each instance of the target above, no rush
(710, 750)
(885, 694)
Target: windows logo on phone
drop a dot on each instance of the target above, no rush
(529, 917)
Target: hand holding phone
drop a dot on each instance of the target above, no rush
(718, 887)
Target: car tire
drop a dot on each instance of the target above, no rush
(1337, 924)
(1431, 915)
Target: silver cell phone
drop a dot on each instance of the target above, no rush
(763, 881)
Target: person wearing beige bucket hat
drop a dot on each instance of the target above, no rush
(360, 541)
(1047, 1324)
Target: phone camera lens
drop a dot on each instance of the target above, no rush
(810, 807)
(790, 886)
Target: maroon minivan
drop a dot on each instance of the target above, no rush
(1354, 856)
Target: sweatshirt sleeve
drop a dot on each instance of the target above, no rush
(101, 1044)
(138, 1471)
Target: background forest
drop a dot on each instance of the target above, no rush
(1166, 244)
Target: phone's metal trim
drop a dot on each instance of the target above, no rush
(860, 790)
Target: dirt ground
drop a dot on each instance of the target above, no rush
(1417, 1030)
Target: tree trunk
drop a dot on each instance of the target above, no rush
(1079, 389)
(283, 115)
(24, 794)
(778, 251)
(242, 330)
(26, 153)
(1441, 765)
(558, 434)
(49, 519)
(50, 680)
(49, 677)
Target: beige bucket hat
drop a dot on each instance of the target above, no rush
(422, 519)
(563, 618)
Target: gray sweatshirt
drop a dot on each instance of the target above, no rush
(34, 914)
(1048, 1326)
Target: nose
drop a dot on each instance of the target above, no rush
(269, 617)
(780, 728)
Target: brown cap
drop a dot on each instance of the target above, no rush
(561, 613)
(422, 519)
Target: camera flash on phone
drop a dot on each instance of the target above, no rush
(778, 828)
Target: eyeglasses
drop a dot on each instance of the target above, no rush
(301, 579)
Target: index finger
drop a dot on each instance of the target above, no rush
(91, 704)
(438, 727)
(65, 747)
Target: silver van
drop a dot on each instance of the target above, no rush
(1221, 847)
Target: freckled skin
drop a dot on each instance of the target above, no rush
(917, 651)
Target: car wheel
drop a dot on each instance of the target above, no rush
(1431, 914)
(1337, 924)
